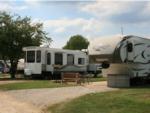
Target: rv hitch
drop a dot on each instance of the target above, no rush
(105, 64)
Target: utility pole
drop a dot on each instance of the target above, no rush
(122, 30)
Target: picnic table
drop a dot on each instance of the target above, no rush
(74, 77)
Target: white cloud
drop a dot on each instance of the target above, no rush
(11, 6)
(59, 30)
(117, 11)
(33, 2)
(62, 29)
(105, 8)
(80, 24)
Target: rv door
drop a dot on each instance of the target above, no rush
(130, 51)
(49, 67)
(33, 62)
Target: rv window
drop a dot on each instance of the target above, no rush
(81, 61)
(38, 56)
(70, 59)
(30, 56)
(58, 58)
(129, 47)
(48, 58)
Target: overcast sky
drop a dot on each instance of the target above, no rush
(92, 19)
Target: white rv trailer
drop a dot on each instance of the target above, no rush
(47, 61)
(128, 56)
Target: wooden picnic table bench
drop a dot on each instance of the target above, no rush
(73, 77)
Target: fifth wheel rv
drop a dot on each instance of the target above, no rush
(128, 57)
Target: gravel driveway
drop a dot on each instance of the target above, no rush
(34, 100)
(9, 104)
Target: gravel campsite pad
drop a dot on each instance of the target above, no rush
(9, 104)
(35, 100)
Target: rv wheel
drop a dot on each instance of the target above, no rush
(27, 77)
(47, 75)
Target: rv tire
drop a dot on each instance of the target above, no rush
(27, 77)
(47, 75)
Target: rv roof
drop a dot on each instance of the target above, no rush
(103, 45)
(107, 45)
(47, 48)
(137, 37)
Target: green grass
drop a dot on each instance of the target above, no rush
(33, 85)
(136, 100)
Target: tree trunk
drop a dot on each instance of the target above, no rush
(13, 68)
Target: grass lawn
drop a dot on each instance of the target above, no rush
(33, 84)
(133, 100)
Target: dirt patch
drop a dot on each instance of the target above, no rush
(99, 87)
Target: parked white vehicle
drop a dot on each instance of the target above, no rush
(4, 67)
(47, 61)
(128, 56)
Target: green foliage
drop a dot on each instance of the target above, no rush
(47, 42)
(17, 32)
(121, 101)
(77, 42)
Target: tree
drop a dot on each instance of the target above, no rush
(47, 42)
(77, 42)
(15, 33)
